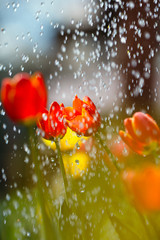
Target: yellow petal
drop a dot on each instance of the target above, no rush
(77, 164)
(68, 142)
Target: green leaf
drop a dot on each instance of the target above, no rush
(108, 231)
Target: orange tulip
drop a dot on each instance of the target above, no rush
(83, 117)
(142, 133)
(52, 124)
(24, 97)
(144, 187)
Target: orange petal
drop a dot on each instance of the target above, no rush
(134, 145)
(144, 187)
(89, 102)
(78, 124)
(129, 128)
(87, 116)
(69, 113)
(77, 104)
(145, 128)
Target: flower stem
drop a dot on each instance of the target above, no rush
(49, 227)
(62, 169)
(110, 154)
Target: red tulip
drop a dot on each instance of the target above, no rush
(52, 124)
(24, 97)
(83, 117)
(142, 133)
(143, 186)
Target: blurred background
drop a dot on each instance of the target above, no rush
(105, 49)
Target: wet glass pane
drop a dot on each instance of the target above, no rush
(79, 119)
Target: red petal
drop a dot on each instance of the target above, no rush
(22, 99)
(57, 124)
(43, 124)
(54, 109)
(38, 83)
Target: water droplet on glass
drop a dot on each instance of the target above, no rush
(77, 161)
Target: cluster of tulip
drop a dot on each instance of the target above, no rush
(143, 137)
(24, 99)
(83, 117)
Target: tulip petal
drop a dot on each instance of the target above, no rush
(78, 124)
(145, 128)
(129, 128)
(57, 125)
(16, 104)
(77, 105)
(144, 187)
(83, 118)
(89, 102)
(134, 145)
(53, 123)
(24, 101)
(37, 82)
(69, 113)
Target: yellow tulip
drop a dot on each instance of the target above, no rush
(68, 142)
(77, 164)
